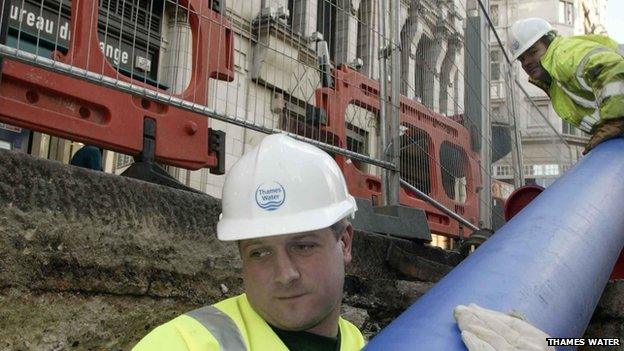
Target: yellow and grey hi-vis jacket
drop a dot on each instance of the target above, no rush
(588, 79)
(230, 325)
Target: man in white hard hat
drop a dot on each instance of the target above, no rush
(583, 76)
(287, 206)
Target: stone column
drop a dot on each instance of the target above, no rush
(447, 79)
(458, 91)
(304, 16)
(346, 31)
(435, 55)
(368, 37)
(177, 59)
(410, 37)
(177, 64)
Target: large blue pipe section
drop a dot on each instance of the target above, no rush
(551, 262)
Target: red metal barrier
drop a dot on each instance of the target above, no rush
(72, 108)
(352, 87)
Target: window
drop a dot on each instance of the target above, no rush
(453, 162)
(502, 170)
(415, 160)
(495, 62)
(566, 12)
(362, 134)
(494, 14)
(542, 170)
(568, 129)
(299, 117)
(357, 139)
(550, 170)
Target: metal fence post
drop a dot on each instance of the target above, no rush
(486, 149)
(394, 156)
(383, 100)
(516, 145)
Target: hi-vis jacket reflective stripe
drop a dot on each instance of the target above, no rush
(588, 79)
(230, 325)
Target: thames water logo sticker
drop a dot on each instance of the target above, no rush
(270, 196)
(515, 45)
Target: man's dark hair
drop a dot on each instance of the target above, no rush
(548, 38)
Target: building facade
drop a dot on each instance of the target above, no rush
(274, 76)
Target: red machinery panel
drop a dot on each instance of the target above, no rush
(352, 87)
(72, 108)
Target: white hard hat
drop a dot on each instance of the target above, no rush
(282, 186)
(526, 32)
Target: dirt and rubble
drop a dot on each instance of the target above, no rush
(93, 261)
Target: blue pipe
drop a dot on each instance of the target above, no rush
(550, 263)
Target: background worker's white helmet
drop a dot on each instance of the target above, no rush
(282, 186)
(526, 32)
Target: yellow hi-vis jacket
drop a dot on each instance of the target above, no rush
(230, 325)
(588, 79)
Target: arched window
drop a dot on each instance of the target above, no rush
(424, 77)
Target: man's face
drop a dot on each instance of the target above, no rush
(295, 281)
(530, 60)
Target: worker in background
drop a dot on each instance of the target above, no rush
(286, 205)
(583, 76)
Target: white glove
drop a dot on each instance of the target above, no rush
(487, 330)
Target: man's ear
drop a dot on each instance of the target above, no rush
(346, 241)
